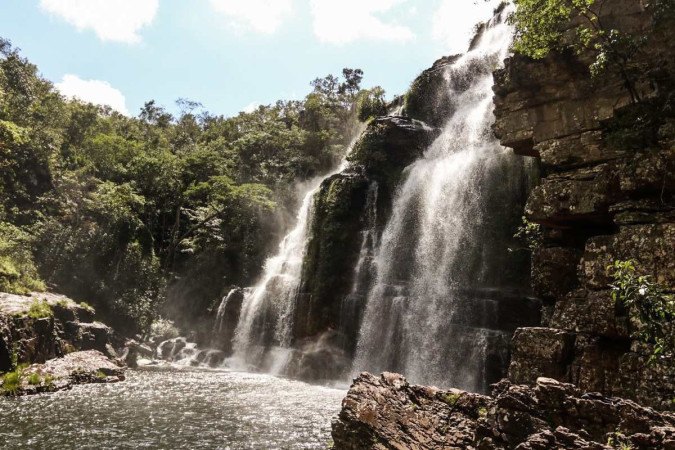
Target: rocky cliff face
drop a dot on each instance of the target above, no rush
(606, 194)
(57, 340)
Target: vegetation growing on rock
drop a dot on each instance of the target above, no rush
(652, 310)
(546, 25)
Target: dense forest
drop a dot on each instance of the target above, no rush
(155, 214)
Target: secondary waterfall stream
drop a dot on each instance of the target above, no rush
(431, 309)
(262, 337)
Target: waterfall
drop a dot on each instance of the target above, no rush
(350, 308)
(262, 339)
(440, 265)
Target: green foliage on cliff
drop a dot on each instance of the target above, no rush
(529, 233)
(371, 104)
(136, 214)
(18, 273)
(651, 309)
(542, 26)
(40, 309)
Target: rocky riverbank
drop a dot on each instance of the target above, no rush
(387, 412)
(49, 342)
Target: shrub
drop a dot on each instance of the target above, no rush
(34, 379)
(11, 381)
(40, 309)
(164, 329)
(18, 274)
(649, 307)
(529, 233)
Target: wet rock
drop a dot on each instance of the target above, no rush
(133, 350)
(319, 359)
(573, 199)
(388, 145)
(171, 348)
(42, 326)
(226, 320)
(593, 312)
(554, 271)
(429, 98)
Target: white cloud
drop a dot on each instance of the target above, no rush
(251, 107)
(93, 91)
(341, 22)
(262, 16)
(112, 20)
(454, 21)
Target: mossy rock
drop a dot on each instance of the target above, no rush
(390, 144)
(429, 99)
(332, 251)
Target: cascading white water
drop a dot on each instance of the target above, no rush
(264, 330)
(422, 316)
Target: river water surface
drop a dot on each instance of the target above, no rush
(174, 408)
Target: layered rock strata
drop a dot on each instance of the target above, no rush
(606, 194)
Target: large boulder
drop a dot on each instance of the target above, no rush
(62, 373)
(38, 327)
(388, 413)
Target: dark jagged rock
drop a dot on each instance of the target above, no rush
(387, 413)
(388, 145)
(226, 320)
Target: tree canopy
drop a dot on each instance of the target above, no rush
(139, 215)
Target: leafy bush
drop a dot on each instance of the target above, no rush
(18, 273)
(11, 381)
(529, 233)
(164, 329)
(40, 309)
(34, 379)
(652, 310)
(371, 104)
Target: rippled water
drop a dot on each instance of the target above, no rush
(172, 408)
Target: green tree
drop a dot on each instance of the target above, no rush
(544, 25)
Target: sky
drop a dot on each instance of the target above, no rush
(231, 55)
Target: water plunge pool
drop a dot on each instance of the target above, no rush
(175, 408)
